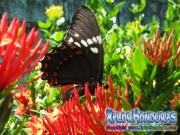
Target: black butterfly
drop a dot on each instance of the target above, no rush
(79, 58)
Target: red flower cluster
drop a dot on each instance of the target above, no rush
(159, 52)
(37, 127)
(178, 53)
(175, 102)
(23, 97)
(83, 118)
(19, 53)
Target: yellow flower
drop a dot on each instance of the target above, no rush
(54, 12)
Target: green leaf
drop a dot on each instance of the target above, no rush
(45, 25)
(170, 66)
(37, 111)
(5, 107)
(53, 44)
(166, 89)
(130, 132)
(169, 82)
(19, 128)
(103, 5)
(58, 36)
(153, 73)
(138, 8)
(110, 1)
(106, 59)
(51, 96)
(137, 92)
(41, 103)
(111, 38)
(166, 26)
(115, 55)
(170, 12)
(139, 65)
(113, 70)
(115, 10)
(46, 33)
(126, 104)
(161, 99)
(131, 73)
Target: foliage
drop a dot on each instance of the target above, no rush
(143, 60)
(51, 28)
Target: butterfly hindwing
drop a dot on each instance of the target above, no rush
(60, 68)
(79, 58)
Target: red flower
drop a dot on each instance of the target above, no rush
(178, 53)
(157, 51)
(36, 126)
(20, 110)
(175, 102)
(86, 118)
(19, 53)
(24, 97)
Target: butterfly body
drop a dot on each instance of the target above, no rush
(79, 58)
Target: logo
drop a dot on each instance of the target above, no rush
(137, 120)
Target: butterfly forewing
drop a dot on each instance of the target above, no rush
(79, 58)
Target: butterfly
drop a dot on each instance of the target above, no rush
(79, 58)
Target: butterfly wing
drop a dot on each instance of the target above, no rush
(79, 58)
